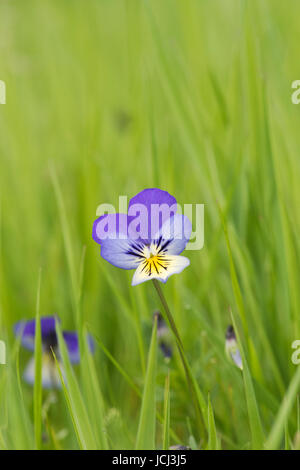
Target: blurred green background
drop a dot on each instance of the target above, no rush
(194, 97)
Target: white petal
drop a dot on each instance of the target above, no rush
(50, 374)
(29, 372)
(236, 357)
(175, 264)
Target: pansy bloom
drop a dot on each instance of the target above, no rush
(149, 238)
(231, 347)
(163, 336)
(25, 330)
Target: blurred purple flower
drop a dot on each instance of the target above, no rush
(25, 330)
(231, 347)
(149, 238)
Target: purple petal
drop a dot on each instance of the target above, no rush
(91, 344)
(26, 330)
(151, 208)
(72, 343)
(111, 231)
(110, 226)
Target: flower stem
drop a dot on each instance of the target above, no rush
(194, 389)
(167, 311)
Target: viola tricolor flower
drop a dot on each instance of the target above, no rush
(163, 336)
(231, 347)
(149, 238)
(50, 375)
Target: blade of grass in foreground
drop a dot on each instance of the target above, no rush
(93, 394)
(117, 365)
(74, 398)
(2, 442)
(254, 360)
(51, 432)
(130, 382)
(277, 431)
(37, 393)
(166, 441)
(264, 395)
(253, 412)
(213, 441)
(255, 312)
(88, 374)
(146, 431)
(20, 431)
(67, 240)
(126, 310)
(197, 396)
(298, 413)
(286, 436)
(234, 279)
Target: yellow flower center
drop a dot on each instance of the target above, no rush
(155, 264)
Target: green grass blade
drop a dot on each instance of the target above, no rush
(253, 412)
(286, 437)
(298, 413)
(93, 394)
(213, 443)
(117, 365)
(234, 279)
(20, 430)
(166, 430)
(37, 393)
(146, 431)
(277, 431)
(197, 396)
(67, 239)
(74, 399)
(130, 382)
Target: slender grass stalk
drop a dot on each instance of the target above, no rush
(145, 438)
(75, 401)
(166, 432)
(213, 441)
(274, 439)
(67, 240)
(37, 393)
(298, 413)
(252, 406)
(137, 323)
(286, 436)
(130, 382)
(198, 400)
(126, 310)
(69, 403)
